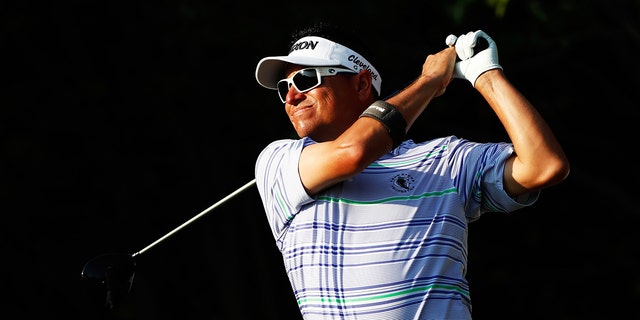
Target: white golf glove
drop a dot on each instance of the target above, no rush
(472, 66)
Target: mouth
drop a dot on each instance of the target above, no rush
(298, 110)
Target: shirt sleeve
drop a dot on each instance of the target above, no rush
(497, 198)
(482, 179)
(278, 182)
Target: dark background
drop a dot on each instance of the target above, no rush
(121, 120)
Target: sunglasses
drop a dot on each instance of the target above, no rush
(307, 79)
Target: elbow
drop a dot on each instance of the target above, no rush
(352, 160)
(557, 170)
(562, 170)
(552, 171)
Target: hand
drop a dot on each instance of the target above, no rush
(438, 67)
(473, 65)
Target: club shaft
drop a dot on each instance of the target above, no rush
(199, 215)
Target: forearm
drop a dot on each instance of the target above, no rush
(540, 160)
(437, 72)
(413, 99)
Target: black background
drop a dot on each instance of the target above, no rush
(121, 120)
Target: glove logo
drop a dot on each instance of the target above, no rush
(403, 182)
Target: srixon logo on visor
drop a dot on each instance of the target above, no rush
(302, 45)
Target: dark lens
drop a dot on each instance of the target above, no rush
(283, 89)
(305, 79)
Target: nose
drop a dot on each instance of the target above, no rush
(293, 96)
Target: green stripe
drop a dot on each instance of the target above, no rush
(384, 296)
(390, 199)
(282, 204)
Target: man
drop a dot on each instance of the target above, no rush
(373, 226)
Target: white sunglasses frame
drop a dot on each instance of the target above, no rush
(320, 72)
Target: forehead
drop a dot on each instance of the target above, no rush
(291, 68)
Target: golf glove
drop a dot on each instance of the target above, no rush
(471, 66)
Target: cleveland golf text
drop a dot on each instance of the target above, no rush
(358, 63)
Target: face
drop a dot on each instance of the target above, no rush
(327, 110)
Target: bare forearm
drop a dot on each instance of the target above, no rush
(437, 72)
(413, 99)
(540, 160)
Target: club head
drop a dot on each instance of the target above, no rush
(113, 270)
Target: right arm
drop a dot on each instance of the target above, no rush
(325, 164)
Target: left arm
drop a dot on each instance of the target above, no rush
(538, 161)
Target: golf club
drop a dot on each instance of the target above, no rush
(116, 270)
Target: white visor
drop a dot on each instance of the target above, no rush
(313, 52)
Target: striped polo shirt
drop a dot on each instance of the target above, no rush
(391, 242)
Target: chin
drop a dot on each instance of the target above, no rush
(301, 130)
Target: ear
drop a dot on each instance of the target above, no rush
(364, 84)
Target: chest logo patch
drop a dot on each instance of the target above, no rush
(403, 182)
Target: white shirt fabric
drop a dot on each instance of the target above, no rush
(390, 243)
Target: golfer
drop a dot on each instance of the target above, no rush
(372, 225)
